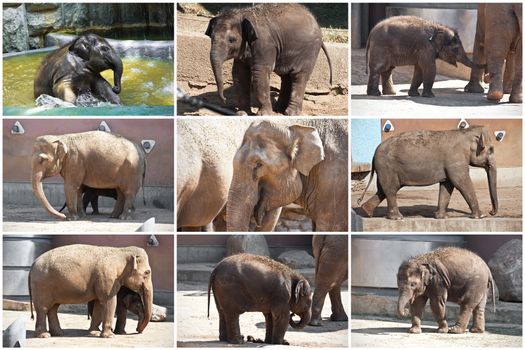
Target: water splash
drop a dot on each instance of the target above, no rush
(83, 100)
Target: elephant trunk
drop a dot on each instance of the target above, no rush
(463, 58)
(38, 190)
(147, 301)
(404, 299)
(242, 199)
(492, 175)
(305, 320)
(217, 60)
(118, 69)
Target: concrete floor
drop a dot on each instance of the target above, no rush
(381, 332)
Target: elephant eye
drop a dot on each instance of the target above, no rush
(147, 272)
(412, 284)
(258, 164)
(232, 39)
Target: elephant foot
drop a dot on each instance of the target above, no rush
(507, 89)
(369, 211)
(443, 330)
(389, 91)
(236, 340)
(516, 98)
(43, 335)
(440, 215)
(94, 333)
(413, 93)
(339, 317)
(476, 329)
(56, 332)
(72, 217)
(107, 334)
(120, 331)
(373, 92)
(126, 216)
(415, 330)
(474, 87)
(264, 111)
(477, 215)
(456, 329)
(427, 94)
(394, 216)
(285, 342)
(316, 322)
(495, 95)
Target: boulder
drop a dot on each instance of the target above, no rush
(40, 23)
(15, 29)
(296, 259)
(159, 313)
(254, 244)
(507, 266)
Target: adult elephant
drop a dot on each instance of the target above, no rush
(205, 151)
(96, 159)
(331, 270)
(77, 274)
(280, 38)
(276, 165)
(75, 69)
(497, 43)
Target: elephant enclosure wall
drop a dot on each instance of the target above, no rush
(18, 148)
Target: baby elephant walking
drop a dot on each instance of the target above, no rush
(446, 274)
(246, 282)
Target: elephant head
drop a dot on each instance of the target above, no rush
(269, 170)
(449, 47)
(49, 155)
(301, 304)
(230, 33)
(99, 56)
(133, 302)
(482, 155)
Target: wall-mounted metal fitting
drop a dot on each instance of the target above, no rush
(17, 128)
(104, 127)
(148, 145)
(463, 124)
(500, 135)
(388, 126)
(153, 241)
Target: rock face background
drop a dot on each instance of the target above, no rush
(25, 25)
(506, 266)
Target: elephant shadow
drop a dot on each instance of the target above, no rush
(327, 326)
(68, 333)
(209, 97)
(420, 210)
(390, 330)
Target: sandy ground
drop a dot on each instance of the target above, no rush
(373, 332)
(195, 330)
(450, 100)
(423, 203)
(156, 334)
(24, 218)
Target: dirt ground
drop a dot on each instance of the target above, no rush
(75, 326)
(195, 330)
(26, 219)
(373, 332)
(423, 203)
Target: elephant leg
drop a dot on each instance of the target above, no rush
(122, 313)
(71, 192)
(497, 46)
(242, 79)
(508, 74)
(476, 74)
(338, 310)
(128, 206)
(393, 210)
(372, 203)
(478, 315)
(269, 328)
(460, 178)
(372, 88)
(280, 325)
(517, 85)
(445, 191)
(297, 94)
(429, 75)
(261, 85)
(438, 306)
(119, 204)
(101, 88)
(463, 318)
(96, 319)
(416, 311)
(321, 289)
(108, 312)
(94, 204)
(85, 201)
(284, 95)
(80, 206)
(417, 79)
(64, 91)
(54, 324)
(270, 220)
(223, 332)
(387, 83)
(233, 330)
(40, 324)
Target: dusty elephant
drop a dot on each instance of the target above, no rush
(75, 69)
(446, 274)
(422, 158)
(96, 159)
(77, 274)
(248, 283)
(497, 43)
(127, 300)
(280, 38)
(90, 195)
(205, 151)
(406, 41)
(277, 164)
(331, 270)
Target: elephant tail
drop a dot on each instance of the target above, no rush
(210, 283)
(360, 199)
(64, 207)
(143, 178)
(30, 295)
(366, 54)
(317, 251)
(329, 62)
(491, 281)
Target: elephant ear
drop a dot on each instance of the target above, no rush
(61, 149)
(307, 148)
(301, 289)
(211, 26)
(442, 273)
(480, 144)
(80, 47)
(248, 31)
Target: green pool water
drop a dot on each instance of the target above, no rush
(145, 82)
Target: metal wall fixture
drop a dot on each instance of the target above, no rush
(148, 145)
(388, 126)
(104, 127)
(153, 241)
(463, 124)
(500, 135)
(17, 128)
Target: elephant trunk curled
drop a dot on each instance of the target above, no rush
(147, 300)
(305, 320)
(38, 190)
(217, 60)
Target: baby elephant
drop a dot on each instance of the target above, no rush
(446, 274)
(127, 300)
(406, 41)
(246, 283)
(90, 195)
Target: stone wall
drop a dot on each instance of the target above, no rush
(25, 25)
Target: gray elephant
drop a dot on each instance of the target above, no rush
(127, 300)
(280, 164)
(78, 273)
(331, 270)
(410, 40)
(247, 283)
(446, 274)
(96, 159)
(75, 69)
(90, 195)
(422, 158)
(280, 38)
